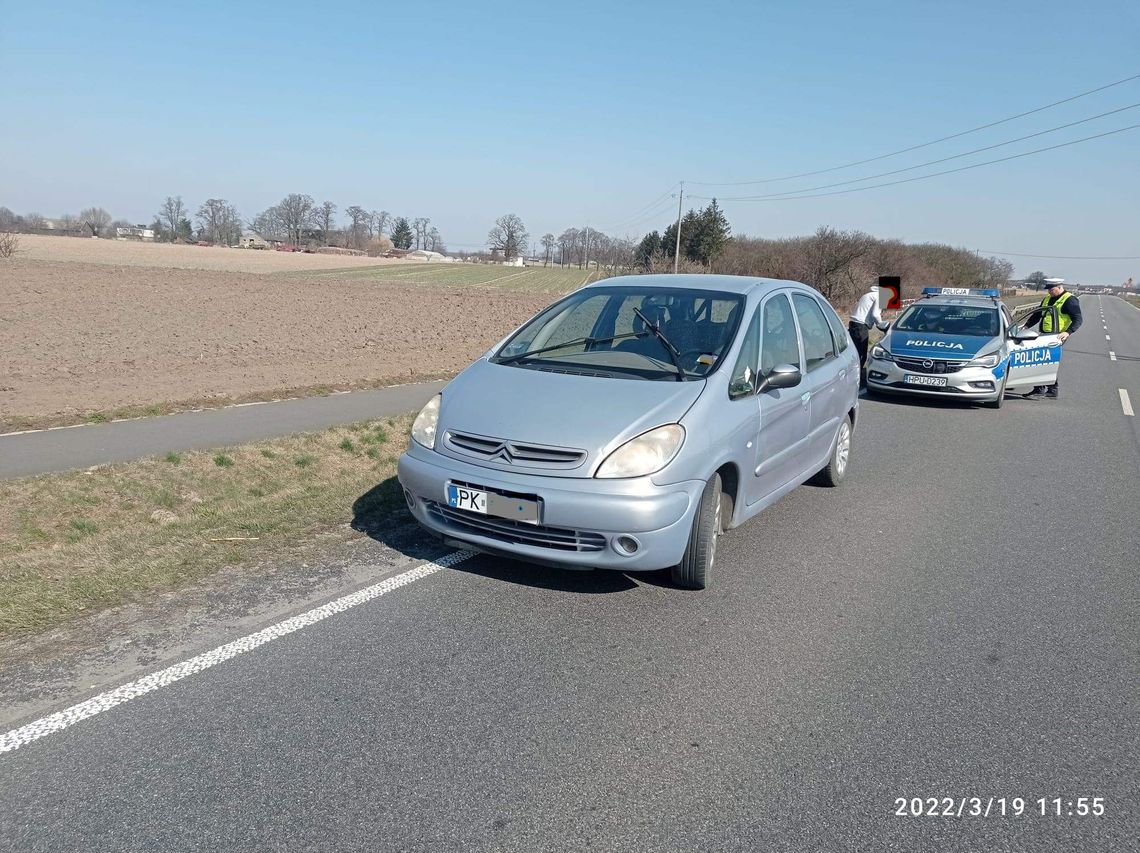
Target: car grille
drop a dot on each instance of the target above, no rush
(518, 453)
(516, 532)
(936, 365)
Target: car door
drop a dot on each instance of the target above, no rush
(824, 379)
(1035, 362)
(784, 416)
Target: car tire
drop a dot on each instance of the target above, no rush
(835, 471)
(996, 404)
(700, 554)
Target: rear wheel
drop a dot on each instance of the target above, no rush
(835, 471)
(696, 565)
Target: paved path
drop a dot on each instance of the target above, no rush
(42, 451)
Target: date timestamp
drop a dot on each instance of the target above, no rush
(999, 806)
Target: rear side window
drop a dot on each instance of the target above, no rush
(837, 330)
(819, 347)
(781, 345)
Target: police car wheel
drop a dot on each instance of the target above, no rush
(696, 565)
(835, 471)
(996, 404)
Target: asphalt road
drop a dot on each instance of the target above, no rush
(24, 454)
(959, 620)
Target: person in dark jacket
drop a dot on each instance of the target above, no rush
(1068, 320)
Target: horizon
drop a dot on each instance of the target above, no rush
(121, 107)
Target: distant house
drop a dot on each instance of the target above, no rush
(250, 240)
(135, 232)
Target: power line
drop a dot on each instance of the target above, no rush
(917, 147)
(1063, 257)
(641, 214)
(942, 159)
(786, 197)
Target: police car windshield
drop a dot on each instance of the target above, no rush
(976, 321)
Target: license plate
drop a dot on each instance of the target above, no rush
(936, 381)
(492, 503)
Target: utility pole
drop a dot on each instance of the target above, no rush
(587, 248)
(677, 251)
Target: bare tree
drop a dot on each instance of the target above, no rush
(434, 241)
(360, 226)
(7, 219)
(68, 222)
(547, 249)
(96, 219)
(325, 214)
(420, 227)
(33, 221)
(296, 214)
(381, 219)
(219, 222)
(170, 214)
(509, 236)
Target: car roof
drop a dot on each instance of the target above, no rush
(741, 284)
(976, 301)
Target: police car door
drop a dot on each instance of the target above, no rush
(1035, 361)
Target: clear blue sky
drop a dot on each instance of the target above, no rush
(582, 113)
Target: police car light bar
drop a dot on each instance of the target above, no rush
(960, 291)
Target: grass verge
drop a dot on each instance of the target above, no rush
(16, 423)
(81, 541)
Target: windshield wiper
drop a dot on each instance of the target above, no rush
(588, 341)
(674, 353)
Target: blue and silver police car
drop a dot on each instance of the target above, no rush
(961, 343)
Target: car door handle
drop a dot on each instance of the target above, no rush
(805, 397)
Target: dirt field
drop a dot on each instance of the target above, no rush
(126, 253)
(78, 338)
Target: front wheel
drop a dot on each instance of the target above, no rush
(996, 404)
(696, 565)
(835, 471)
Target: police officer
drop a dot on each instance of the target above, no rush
(867, 314)
(1068, 320)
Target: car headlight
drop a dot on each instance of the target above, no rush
(423, 427)
(881, 353)
(646, 454)
(990, 360)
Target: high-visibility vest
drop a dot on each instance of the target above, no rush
(1063, 320)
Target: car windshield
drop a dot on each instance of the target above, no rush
(609, 331)
(973, 320)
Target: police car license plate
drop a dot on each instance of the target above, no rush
(936, 381)
(490, 503)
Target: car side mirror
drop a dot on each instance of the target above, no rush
(1020, 333)
(780, 376)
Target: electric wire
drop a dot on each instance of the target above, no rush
(917, 147)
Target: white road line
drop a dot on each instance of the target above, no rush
(1108, 337)
(1125, 403)
(105, 701)
(1111, 355)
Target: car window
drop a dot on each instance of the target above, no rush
(743, 379)
(819, 346)
(780, 344)
(950, 319)
(838, 332)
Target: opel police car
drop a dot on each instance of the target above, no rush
(961, 343)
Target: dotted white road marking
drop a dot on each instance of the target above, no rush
(1108, 337)
(1125, 403)
(105, 701)
(1111, 355)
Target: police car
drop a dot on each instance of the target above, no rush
(961, 343)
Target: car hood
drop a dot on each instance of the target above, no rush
(530, 407)
(932, 345)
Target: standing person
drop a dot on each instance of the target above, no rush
(1069, 319)
(867, 314)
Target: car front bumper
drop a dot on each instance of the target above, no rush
(581, 519)
(976, 383)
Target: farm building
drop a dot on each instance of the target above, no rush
(135, 232)
(426, 255)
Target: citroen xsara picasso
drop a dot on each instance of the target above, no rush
(631, 422)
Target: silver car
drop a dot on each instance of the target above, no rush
(630, 423)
